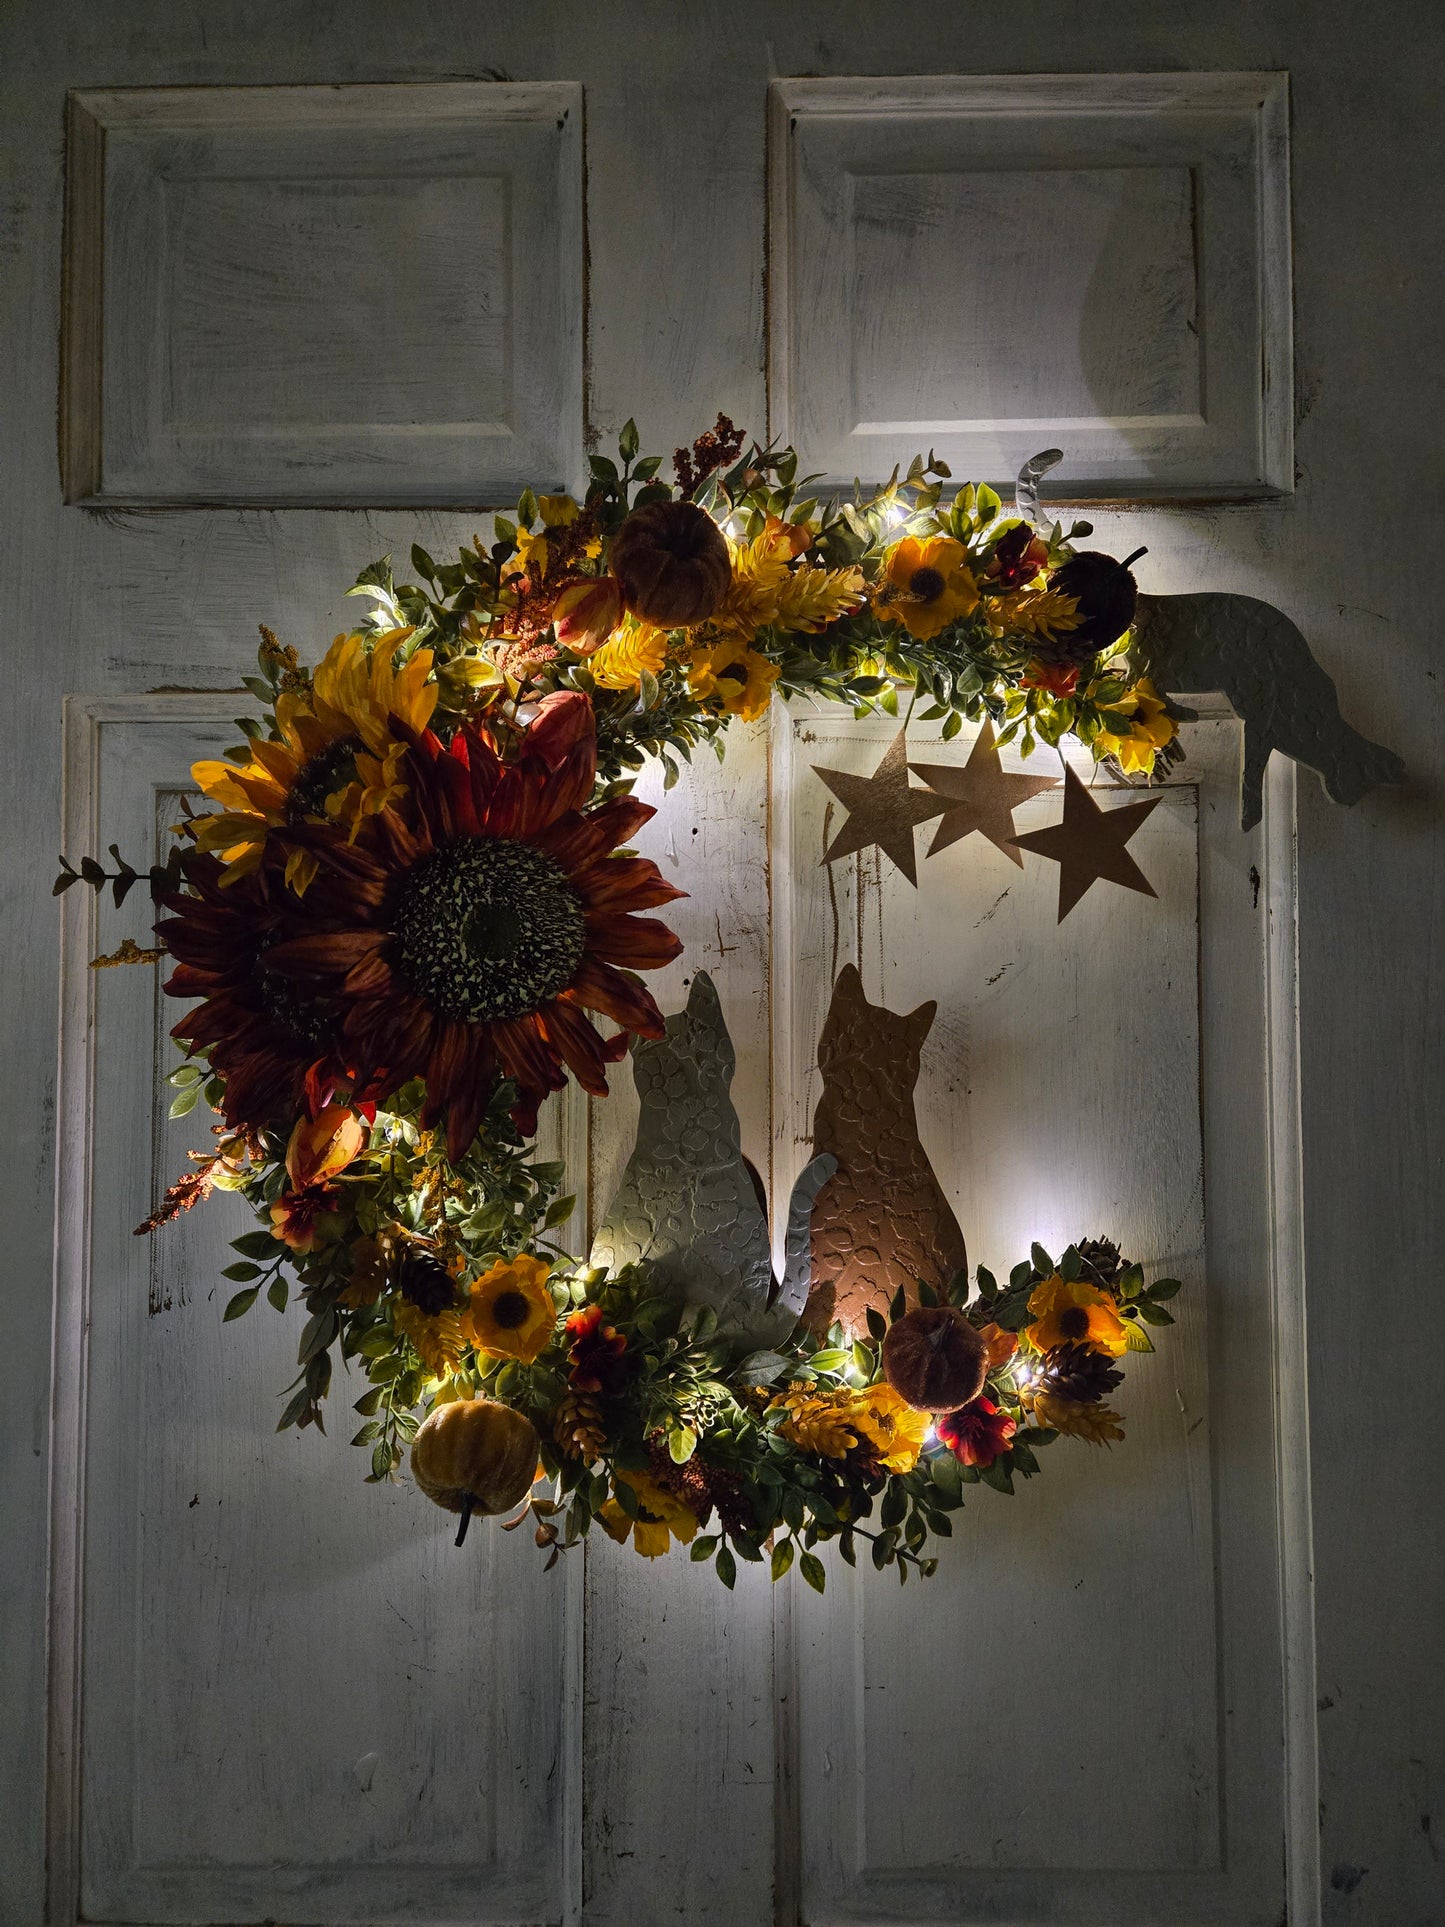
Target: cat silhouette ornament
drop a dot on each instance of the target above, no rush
(882, 1220)
(1255, 656)
(689, 1204)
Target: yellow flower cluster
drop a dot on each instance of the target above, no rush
(354, 694)
(634, 647)
(767, 591)
(831, 1423)
(1031, 612)
(1150, 729)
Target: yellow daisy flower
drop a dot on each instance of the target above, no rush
(510, 1311)
(927, 585)
(738, 677)
(334, 754)
(661, 1518)
(1150, 730)
(891, 1426)
(1069, 1312)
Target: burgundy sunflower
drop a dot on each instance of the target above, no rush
(275, 1049)
(469, 934)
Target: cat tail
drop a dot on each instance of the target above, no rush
(797, 1247)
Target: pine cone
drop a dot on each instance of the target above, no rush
(1101, 1258)
(424, 1281)
(1076, 1373)
(577, 1427)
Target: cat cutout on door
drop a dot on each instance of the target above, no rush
(882, 1220)
(689, 1205)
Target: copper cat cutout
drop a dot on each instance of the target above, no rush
(882, 1220)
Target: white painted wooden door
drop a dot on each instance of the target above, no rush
(1189, 1682)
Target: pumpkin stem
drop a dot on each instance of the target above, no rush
(937, 1336)
(466, 1517)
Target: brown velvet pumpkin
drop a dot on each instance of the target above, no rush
(475, 1455)
(934, 1358)
(672, 563)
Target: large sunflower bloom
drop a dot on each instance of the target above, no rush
(335, 754)
(928, 585)
(277, 1051)
(470, 933)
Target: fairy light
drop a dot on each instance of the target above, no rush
(894, 514)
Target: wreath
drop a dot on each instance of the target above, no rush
(412, 899)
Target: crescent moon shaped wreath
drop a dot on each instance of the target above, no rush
(409, 915)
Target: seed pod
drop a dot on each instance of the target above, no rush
(1106, 595)
(935, 1358)
(672, 563)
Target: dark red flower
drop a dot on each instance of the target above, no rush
(276, 1049)
(594, 1351)
(469, 931)
(977, 1433)
(1017, 557)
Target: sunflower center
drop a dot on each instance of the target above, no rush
(1074, 1323)
(318, 778)
(488, 928)
(925, 585)
(509, 1310)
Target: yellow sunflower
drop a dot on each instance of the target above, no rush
(891, 1426)
(1150, 730)
(510, 1311)
(927, 585)
(738, 677)
(660, 1518)
(334, 755)
(1069, 1312)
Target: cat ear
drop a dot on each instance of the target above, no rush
(849, 988)
(702, 998)
(920, 1021)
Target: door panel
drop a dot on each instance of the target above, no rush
(296, 1695)
(1079, 1718)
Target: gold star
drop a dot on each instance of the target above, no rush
(981, 795)
(883, 808)
(1089, 844)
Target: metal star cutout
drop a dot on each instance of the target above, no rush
(883, 808)
(980, 795)
(1089, 844)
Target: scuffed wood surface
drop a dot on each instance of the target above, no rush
(676, 185)
(678, 1756)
